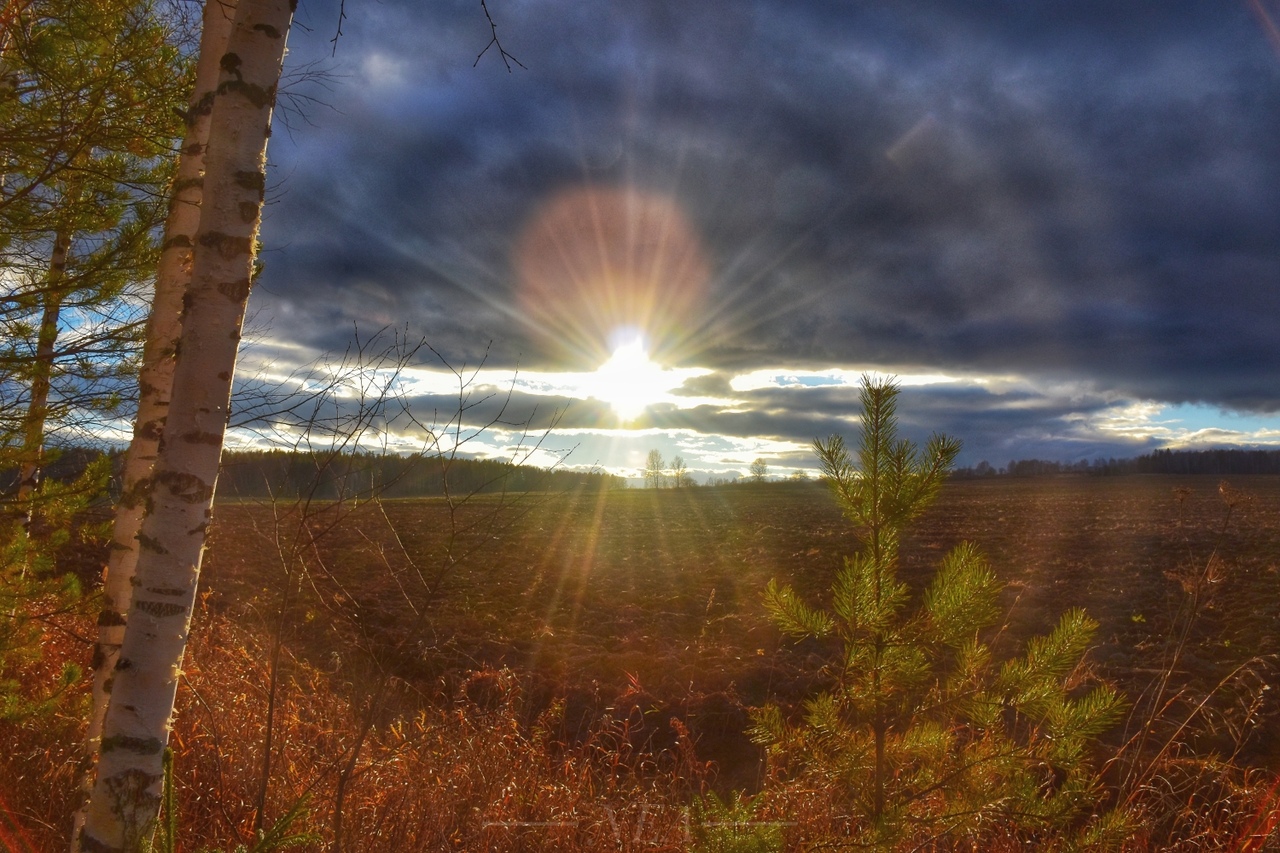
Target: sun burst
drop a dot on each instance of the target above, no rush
(630, 381)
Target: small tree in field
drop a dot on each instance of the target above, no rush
(759, 471)
(920, 733)
(680, 477)
(655, 470)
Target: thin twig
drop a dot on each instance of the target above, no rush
(342, 16)
(507, 58)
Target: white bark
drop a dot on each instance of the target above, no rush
(155, 379)
(126, 794)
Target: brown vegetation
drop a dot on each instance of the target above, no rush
(586, 671)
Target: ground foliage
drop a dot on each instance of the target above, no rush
(601, 617)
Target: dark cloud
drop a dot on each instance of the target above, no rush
(710, 384)
(1085, 192)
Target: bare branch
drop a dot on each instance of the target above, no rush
(507, 58)
(342, 16)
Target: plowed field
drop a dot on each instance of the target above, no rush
(647, 603)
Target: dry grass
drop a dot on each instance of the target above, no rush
(494, 761)
(472, 776)
(477, 776)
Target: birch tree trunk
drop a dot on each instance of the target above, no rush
(126, 794)
(155, 378)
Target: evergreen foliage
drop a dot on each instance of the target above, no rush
(87, 128)
(35, 586)
(924, 735)
(88, 122)
(732, 825)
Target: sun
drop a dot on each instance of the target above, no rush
(630, 382)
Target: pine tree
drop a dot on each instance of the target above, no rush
(86, 134)
(920, 732)
(87, 130)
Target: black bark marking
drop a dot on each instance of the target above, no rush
(236, 291)
(252, 180)
(185, 487)
(224, 375)
(249, 211)
(267, 29)
(160, 609)
(167, 590)
(226, 245)
(135, 495)
(152, 430)
(259, 97)
(178, 241)
(211, 438)
(108, 617)
(230, 63)
(151, 544)
(138, 745)
(204, 106)
(134, 804)
(89, 844)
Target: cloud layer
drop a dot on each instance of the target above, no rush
(1084, 197)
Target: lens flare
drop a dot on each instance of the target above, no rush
(1268, 23)
(594, 259)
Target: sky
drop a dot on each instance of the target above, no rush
(695, 226)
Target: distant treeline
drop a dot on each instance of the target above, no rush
(322, 476)
(1213, 462)
(62, 464)
(260, 474)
